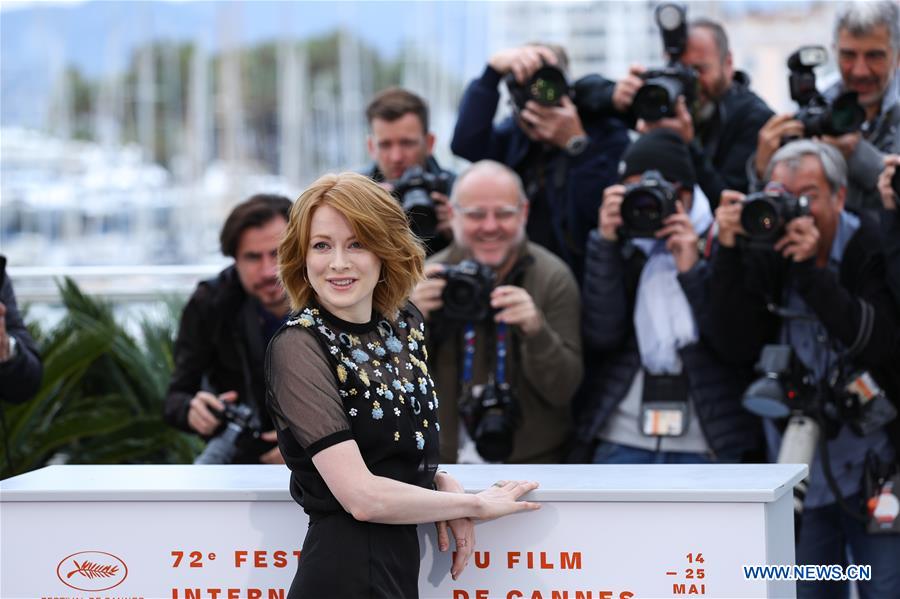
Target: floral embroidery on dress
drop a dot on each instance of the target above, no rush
(420, 441)
(377, 412)
(329, 334)
(359, 355)
(353, 412)
(394, 344)
(341, 373)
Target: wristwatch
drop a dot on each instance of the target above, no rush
(577, 144)
(12, 349)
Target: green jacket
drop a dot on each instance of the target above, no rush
(544, 370)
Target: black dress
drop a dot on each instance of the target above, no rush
(329, 381)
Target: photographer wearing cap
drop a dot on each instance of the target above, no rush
(661, 394)
(20, 364)
(867, 49)
(720, 125)
(217, 386)
(559, 146)
(503, 318)
(400, 145)
(795, 268)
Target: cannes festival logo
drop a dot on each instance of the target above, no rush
(92, 571)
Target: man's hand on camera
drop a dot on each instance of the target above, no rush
(888, 198)
(427, 294)
(515, 307)
(768, 140)
(273, 456)
(681, 238)
(555, 125)
(627, 87)
(846, 143)
(728, 217)
(443, 214)
(681, 123)
(800, 241)
(200, 414)
(610, 216)
(522, 61)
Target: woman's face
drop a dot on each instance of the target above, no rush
(341, 271)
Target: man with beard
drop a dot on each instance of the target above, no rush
(867, 47)
(528, 341)
(722, 133)
(226, 327)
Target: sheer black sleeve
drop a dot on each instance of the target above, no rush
(303, 392)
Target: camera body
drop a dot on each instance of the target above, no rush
(646, 205)
(491, 416)
(819, 117)
(467, 295)
(765, 214)
(413, 189)
(656, 99)
(239, 420)
(546, 86)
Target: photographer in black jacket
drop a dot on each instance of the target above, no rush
(819, 287)
(20, 364)
(226, 327)
(722, 133)
(400, 145)
(563, 152)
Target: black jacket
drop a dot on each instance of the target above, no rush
(438, 242)
(572, 186)
(20, 377)
(611, 280)
(855, 306)
(220, 348)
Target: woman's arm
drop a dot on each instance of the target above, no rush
(371, 498)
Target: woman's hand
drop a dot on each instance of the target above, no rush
(502, 499)
(462, 529)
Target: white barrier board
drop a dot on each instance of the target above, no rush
(227, 532)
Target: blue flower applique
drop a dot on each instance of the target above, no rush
(402, 324)
(420, 440)
(359, 355)
(413, 344)
(377, 412)
(397, 385)
(394, 344)
(423, 386)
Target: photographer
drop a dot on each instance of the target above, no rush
(562, 149)
(867, 47)
(661, 394)
(225, 328)
(20, 364)
(524, 346)
(400, 145)
(721, 130)
(818, 287)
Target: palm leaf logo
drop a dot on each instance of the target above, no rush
(92, 570)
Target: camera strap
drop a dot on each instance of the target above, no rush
(469, 338)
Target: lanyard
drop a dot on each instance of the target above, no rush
(469, 354)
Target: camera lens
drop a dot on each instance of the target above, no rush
(847, 115)
(642, 212)
(548, 86)
(494, 437)
(760, 217)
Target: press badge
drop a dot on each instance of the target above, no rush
(664, 405)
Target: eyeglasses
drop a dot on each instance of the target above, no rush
(478, 215)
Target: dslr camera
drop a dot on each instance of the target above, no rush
(546, 86)
(656, 99)
(844, 115)
(467, 295)
(646, 205)
(414, 189)
(765, 214)
(240, 423)
(491, 415)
